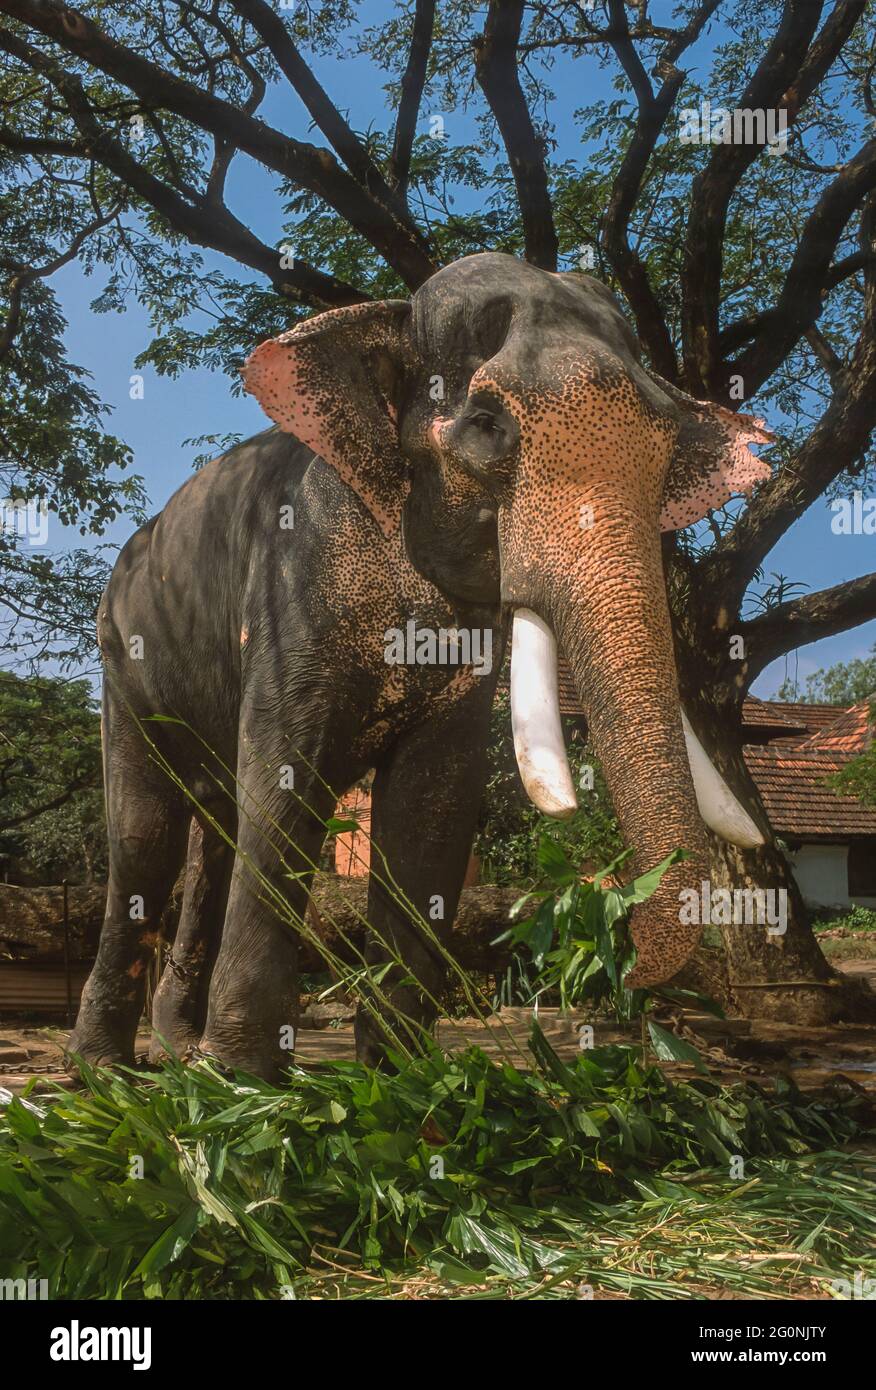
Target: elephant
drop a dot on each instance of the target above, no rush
(491, 455)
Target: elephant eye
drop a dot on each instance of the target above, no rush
(485, 422)
(482, 437)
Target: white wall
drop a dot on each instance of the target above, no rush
(822, 874)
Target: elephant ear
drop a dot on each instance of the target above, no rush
(711, 460)
(333, 381)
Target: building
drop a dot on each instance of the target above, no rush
(791, 750)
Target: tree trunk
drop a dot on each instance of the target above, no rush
(778, 975)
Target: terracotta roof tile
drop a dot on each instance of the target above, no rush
(797, 800)
(850, 732)
(769, 714)
(810, 717)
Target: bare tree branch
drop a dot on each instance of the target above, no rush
(496, 71)
(202, 223)
(744, 329)
(823, 54)
(652, 113)
(23, 275)
(412, 84)
(224, 150)
(807, 619)
(9, 822)
(270, 27)
(801, 299)
(827, 355)
(714, 187)
(303, 164)
(835, 445)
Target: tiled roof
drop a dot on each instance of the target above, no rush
(812, 718)
(770, 719)
(849, 732)
(797, 800)
(790, 777)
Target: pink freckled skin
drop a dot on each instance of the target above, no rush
(244, 636)
(296, 379)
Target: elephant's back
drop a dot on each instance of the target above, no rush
(177, 583)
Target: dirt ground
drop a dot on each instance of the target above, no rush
(816, 1059)
(813, 1057)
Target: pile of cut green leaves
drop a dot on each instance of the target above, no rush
(479, 1177)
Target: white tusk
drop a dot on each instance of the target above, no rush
(719, 808)
(535, 717)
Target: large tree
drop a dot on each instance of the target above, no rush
(750, 274)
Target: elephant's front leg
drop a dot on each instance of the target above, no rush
(426, 798)
(252, 1013)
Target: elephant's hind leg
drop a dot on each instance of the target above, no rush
(179, 1010)
(146, 827)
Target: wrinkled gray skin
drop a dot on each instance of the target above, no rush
(267, 643)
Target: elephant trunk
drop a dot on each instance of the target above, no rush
(612, 618)
(541, 750)
(608, 607)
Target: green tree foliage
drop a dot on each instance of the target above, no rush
(509, 828)
(858, 778)
(54, 443)
(846, 683)
(51, 804)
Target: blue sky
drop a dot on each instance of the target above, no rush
(201, 402)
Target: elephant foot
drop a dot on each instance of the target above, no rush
(230, 1057)
(171, 1038)
(162, 1049)
(198, 1054)
(97, 1048)
(372, 1043)
(105, 1029)
(177, 1018)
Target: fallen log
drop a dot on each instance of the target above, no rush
(32, 924)
(32, 921)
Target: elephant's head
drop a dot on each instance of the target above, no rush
(504, 421)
